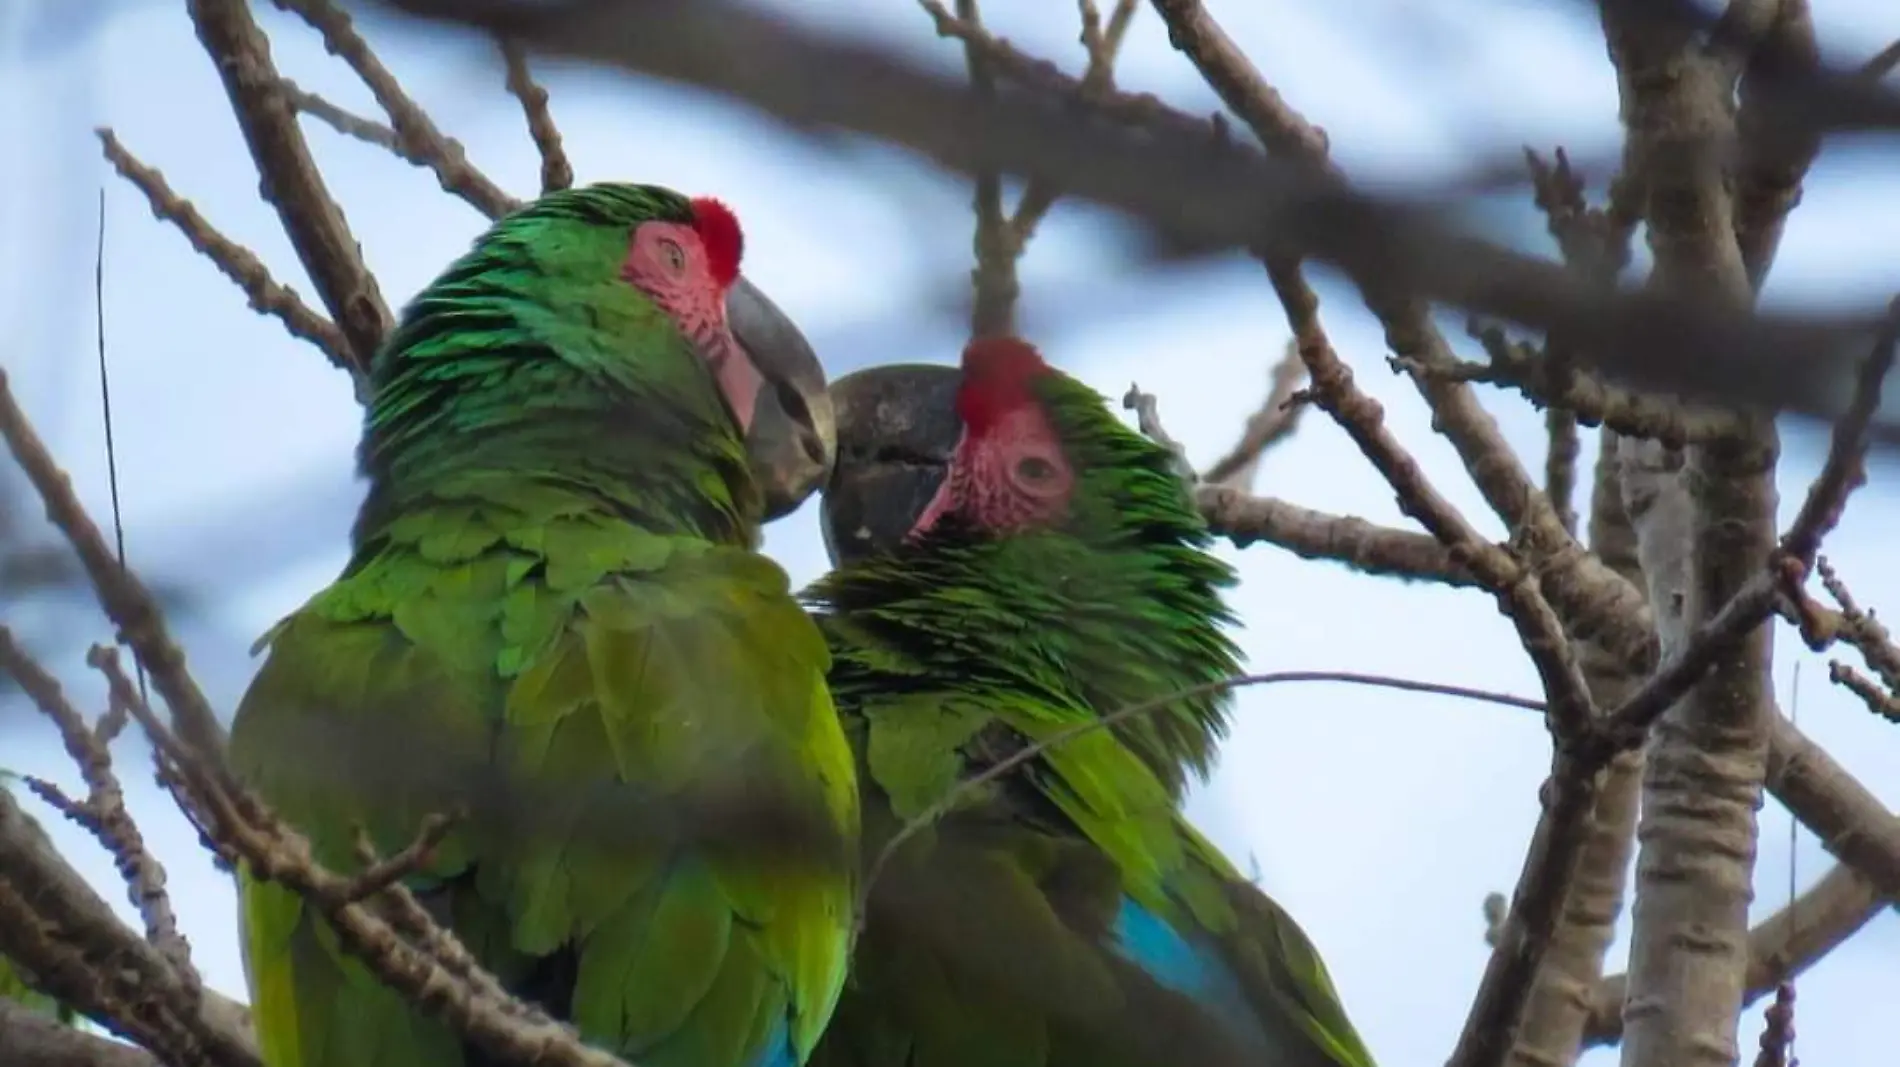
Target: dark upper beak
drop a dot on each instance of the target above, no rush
(897, 429)
(793, 435)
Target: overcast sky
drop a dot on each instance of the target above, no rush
(1380, 820)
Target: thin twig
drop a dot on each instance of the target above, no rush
(1275, 420)
(1777, 1035)
(379, 873)
(1844, 469)
(1515, 586)
(993, 280)
(1190, 197)
(1550, 383)
(556, 172)
(1878, 700)
(417, 139)
(1148, 420)
(1103, 45)
(1364, 546)
(236, 262)
(103, 813)
(291, 182)
(120, 592)
(347, 123)
(960, 792)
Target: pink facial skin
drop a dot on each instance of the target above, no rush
(670, 262)
(1009, 470)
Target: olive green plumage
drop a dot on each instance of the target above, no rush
(1066, 915)
(554, 589)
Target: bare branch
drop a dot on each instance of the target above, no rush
(556, 172)
(1547, 382)
(1775, 156)
(1148, 421)
(1861, 629)
(291, 183)
(1560, 464)
(1363, 419)
(347, 123)
(1277, 418)
(103, 813)
(1000, 238)
(57, 926)
(1878, 700)
(1707, 761)
(1103, 45)
(1848, 818)
(1556, 1011)
(1347, 539)
(417, 139)
(1782, 947)
(379, 874)
(1777, 1035)
(123, 596)
(1195, 195)
(238, 263)
(993, 311)
(29, 1039)
(1844, 469)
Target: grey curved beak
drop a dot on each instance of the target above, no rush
(897, 430)
(794, 435)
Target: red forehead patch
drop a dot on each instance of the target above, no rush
(718, 230)
(998, 373)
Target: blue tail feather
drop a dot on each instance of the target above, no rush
(778, 1050)
(1194, 971)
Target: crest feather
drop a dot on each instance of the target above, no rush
(718, 230)
(998, 375)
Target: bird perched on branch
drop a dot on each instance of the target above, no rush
(556, 627)
(1013, 564)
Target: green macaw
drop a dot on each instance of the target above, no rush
(13, 983)
(555, 622)
(14, 987)
(1013, 562)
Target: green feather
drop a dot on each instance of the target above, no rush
(989, 935)
(554, 588)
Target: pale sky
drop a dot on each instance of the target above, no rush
(1380, 820)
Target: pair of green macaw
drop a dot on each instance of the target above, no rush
(672, 780)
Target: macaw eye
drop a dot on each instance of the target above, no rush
(1035, 470)
(674, 255)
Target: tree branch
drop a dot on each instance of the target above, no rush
(1709, 756)
(236, 262)
(52, 922)
(1277, 418)
(1780, 949)
(418, 141)
(345, 122)
(556, 172)
(103, 812)
(291, 183)
(1557, 1008)
(1197, 197)
(1364, 546)
(29, 1039)
(123, 596)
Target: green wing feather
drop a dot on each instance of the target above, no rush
(989, 935)
(577, 653)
